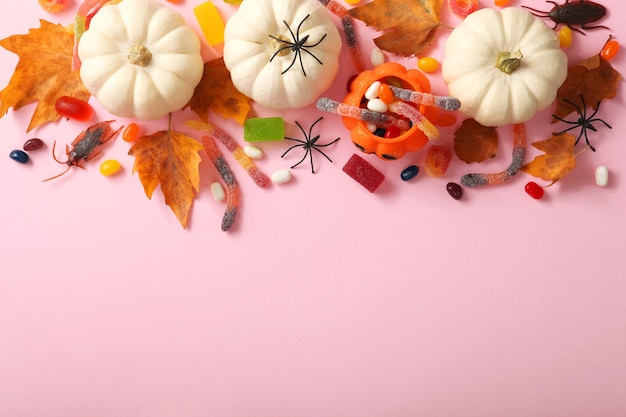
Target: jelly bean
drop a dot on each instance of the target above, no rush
(371, 127)
(534, 190)
(19, 156)
(610, 49)
(232, 1)
(372, 90)
(364, 173)
(53, 6)
(33, 144)
(131, 133)
(211, 22)
(409, 172)
(253, 152)
(353, 2)
(217, 191)
(281, 176)
(428, 64)
(377, 105)
(377, 57)
(501, 3)
(73, 108)
(391, 132)
(385, 94)
(454, 190)
(463, 8)
(565, 37)
(380, 132)
(262, 129)
(437, 161)
(602, 176)
(109, 167)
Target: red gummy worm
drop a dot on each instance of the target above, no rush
(519, 151)
(232, 189)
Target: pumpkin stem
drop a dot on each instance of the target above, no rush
(139, 55)
(508, 62)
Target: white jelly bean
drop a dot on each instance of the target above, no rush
(281, 176)
(377, 57)
(372, 90)
(371, 127)
(218, 191)
(253, 152)
(377, 105)
(602, 176)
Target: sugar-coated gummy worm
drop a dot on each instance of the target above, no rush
(233, 147)
(348, 29)
(417, 118)
(519, 151)
(232, 189)
(443, 102)
(381, 120)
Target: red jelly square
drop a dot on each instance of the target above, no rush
(363, 173)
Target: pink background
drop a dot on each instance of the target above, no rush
(325, 300)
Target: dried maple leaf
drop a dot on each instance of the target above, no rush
(216, 92)
(558, 160)
(474, 142)
(43, 72)
(410, 24)
(171, 159)
(594, 79)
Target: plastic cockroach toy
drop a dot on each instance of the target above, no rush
(84, 145)
(575, 12)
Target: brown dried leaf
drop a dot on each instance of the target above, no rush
(410, 25)
(217, 92)
(558, 160)
(594, 79)
(474, 142)
(171, 159)
(43, 72)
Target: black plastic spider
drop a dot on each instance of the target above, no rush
(583, 121)
(297, 46)
(309, 144)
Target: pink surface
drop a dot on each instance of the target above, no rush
(325, 300)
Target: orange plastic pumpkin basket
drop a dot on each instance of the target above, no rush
(410, 140)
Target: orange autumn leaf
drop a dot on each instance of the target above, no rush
(474, 142)
(594, 79)
(409, 25)
(43, 72)
(217, 92)
(558, 160)
(171, 159)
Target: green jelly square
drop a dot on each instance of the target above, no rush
(263, 129)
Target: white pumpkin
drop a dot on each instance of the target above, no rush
(282, 53)
(140, 59)
(503, 66)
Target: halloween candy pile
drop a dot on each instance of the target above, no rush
(141, 61)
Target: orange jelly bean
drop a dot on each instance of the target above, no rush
(131, 133)
(385, 94)
(610, 49)
(501, 3)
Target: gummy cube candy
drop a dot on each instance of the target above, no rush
(363, 173)
(263, 129)
(210, 22)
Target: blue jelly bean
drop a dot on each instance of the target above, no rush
(19, 156)
(409, 172)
